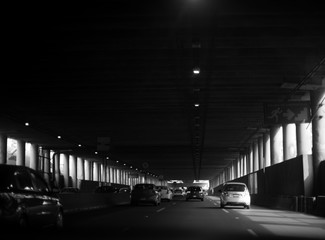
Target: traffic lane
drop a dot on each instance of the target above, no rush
(173, 220)
(276, 224)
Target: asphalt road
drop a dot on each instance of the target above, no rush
(179, 219)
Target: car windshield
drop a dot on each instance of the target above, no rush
(235, 188)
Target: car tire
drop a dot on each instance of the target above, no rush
(59, 221)
(247, 207)
(23, 222)
(222, 205)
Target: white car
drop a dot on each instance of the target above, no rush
(178, 193)
(235, 194)
(165, 193)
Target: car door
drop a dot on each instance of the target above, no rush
(47, 208)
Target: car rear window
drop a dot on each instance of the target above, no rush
(144, 186)
(197, 189)
(235, 188)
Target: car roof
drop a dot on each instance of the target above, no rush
(237, 183)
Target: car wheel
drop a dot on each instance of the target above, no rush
(59, 220)
(247, 207)
(222, 205)
(22, 222)
(202, 199)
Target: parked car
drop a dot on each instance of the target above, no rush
(145, 193)
(67, 190)
(26, 200)
(106, 189)
(235, 194)
(178, 193)
(194, 192)
(165, 192)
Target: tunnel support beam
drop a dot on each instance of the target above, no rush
(289, 141)
(21, 149)
(276, 144)
(318, 129)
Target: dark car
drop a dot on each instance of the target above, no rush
(194, 192)
(145, 193)
(26, 200)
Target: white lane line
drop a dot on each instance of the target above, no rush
(252, 232)
(225, 210)
(215, 204)
(161, 209)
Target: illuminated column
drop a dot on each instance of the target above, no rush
(87, 170)
(73, 170)
(80, 168)
(304, 138)
(267, 149)
(47, 163)
(289, 141)
(260, 152)
(65, 160)
(250, 159)
(21, 149)
(318, 123)
(255, 156)
(56, 166)
(95, 171)
(244, 164)
(34, 156)
(276, 145)
(3, 149)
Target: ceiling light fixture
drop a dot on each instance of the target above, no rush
(196, 71)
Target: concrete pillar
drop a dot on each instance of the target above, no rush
(276, 144)
(73, 170)
(304, 138)
(260, 152)
(87, 170)
(250, 158)
(244, 164)
(34, 156)
(3, 149)
(267, 149)
(80, 168)
(56, 168)
(47, 161)
(65, 160)
(318, 128)
(255, 156)
(95, 171)
(21, 149)
(289, 141)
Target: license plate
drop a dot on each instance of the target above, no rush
(235, 196)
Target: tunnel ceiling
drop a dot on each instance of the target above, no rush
(123, 70)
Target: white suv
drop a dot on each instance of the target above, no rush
(165, 193)
(235, 194)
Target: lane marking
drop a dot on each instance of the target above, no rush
(252, 232)
(161, 209)
(215, 204)
(225, 210)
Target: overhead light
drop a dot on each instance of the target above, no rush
(26, 124)
(96, 152)
(79, 145)
(59, 137)
(196, 105)
(196, 71)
